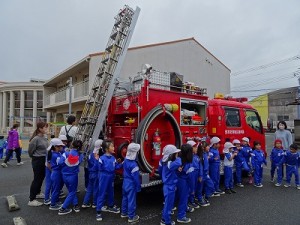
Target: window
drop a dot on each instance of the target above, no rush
(192, 112)
(253, 120)
(283, 118)
(232, 117)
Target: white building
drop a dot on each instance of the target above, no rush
(22, 103)
(187, 57)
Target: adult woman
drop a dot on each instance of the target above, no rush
(284, 135)
(13, 146)
(37, 150)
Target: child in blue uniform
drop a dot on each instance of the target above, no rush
(214, 164)
(247, 155)
(171, 163)
(240, 162)
(93, 181)
(257, 160)
(54, 155)
(131, 183)
(292, 161)
(229, 156)
(276, 159)
(107, 166)
(184, 182)
(195, 175)
(204, 181)
(69, 162)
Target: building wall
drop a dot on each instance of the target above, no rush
(261, 104)
(187, 58)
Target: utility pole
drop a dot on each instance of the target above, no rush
(70, 95)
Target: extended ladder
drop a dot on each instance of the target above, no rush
(94, 113)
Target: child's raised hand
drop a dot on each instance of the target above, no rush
(180, 169)
(119, 160)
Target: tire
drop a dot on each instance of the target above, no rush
(120, 150)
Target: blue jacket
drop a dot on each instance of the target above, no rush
(247, 150)
(205, 164)
(92, 164)
(108, 164)
(240, 157)
(54, 162)
(258, 158)
(276, 156)
(214, 153)
(131, 175)
(169, 169)
(186, 172)
(70, 161)
(198, 168)
(292, 159)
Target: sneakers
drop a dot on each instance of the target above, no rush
(232, 191)
(76, 208)
(298, 187)
(193, 205)
(94, 206)
(258, 185)
(272, 180)
(55, 207)
(240, 185)
(34, 203)
(277, 184)
(184, 220)
(62, 211)
(134, 219)
(123, 215)
(47, 202)
(220, 192)
(216, 194)
(84, 206)
(190, 209)
(113, 209)
(40, 196)
(62, 195)
(174, 208)
(4, 165)
(287, 185)
(227, 191)
(162, 222)
(104, 209)
(203, 203)
(206, 200)
(99, 217)
(20, 163)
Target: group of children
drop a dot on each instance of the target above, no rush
(63, 168)
(190, 175)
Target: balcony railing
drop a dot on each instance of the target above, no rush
(79, 90)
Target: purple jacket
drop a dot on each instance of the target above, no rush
(13, 140)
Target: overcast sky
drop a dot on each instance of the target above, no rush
(41, 38)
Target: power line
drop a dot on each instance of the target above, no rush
(296, 57)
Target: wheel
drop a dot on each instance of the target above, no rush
(169, 131)
(122, 150)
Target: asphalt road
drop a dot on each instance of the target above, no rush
(265, 206)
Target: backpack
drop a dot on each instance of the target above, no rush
(70, 139)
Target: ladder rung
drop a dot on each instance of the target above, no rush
(109, 48)
(107, 59)
(114, 35)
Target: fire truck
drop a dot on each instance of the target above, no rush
(158, 108)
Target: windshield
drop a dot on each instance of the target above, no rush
(253, 120)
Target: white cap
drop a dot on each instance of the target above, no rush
(63, 137)
(245, 139)
(236, 141)
(227, 146)
(192, 143)
(214, 140)
(55, 142)
(132, 150)
(97, 145)
(169, 150)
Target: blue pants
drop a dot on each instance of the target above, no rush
(208, 186)
(279, 172)
(193, 185)
(290, 170)
(56, 179)
(128, 199)
(258, 171)
(48, 184)
(199, 190)
(71, 181)
(1, 152)
(92, 188)
(86, 177)
(214, 172)
(228, 178)
(239, 167)
(106, 188)
(169, 195)
(182, 194)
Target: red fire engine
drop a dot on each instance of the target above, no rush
(155, 113)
